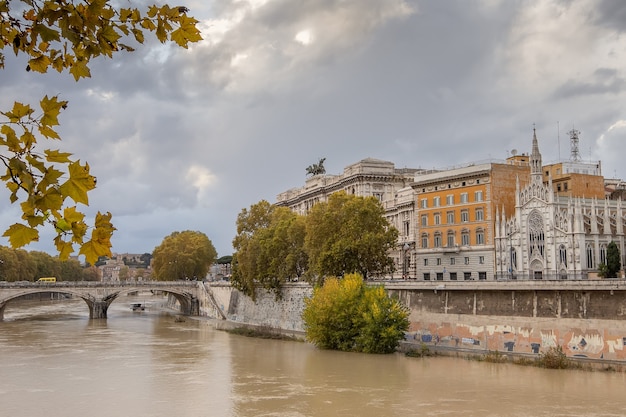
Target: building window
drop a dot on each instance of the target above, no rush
(478, 196)
(480, 237)
(426, 276)
(513, 265)
(439, 276)
(452, 261)
(589, 250)
(563, 256)
(565, 186)
(424, 220)
(424, 203)
(467, 276)
(425, 261)
(450, 239)
(450, 217)
(438, 261)
(465, 238)
(424, 240)
(437, 240)
(407, 227)
(379, 196)
(436, 201)
(450, 200)
(479, 215)
(437, 218)
(464, 198)
(535, 234)
(481, 259)
(482, 275)
(464, 216)
(466, 260)
(603, 254)
(452, 276)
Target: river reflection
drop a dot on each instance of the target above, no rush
(54, 361)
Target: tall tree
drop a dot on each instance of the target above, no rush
(613, 263)
(183, 255)
(269, 248)
(349, 234)
(65, 35)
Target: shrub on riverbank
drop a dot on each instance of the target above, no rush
(345, 314)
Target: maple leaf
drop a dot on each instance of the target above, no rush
(79, 183)
(20, 235)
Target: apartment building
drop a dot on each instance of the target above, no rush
(455, 212)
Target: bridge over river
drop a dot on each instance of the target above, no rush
(100, 295)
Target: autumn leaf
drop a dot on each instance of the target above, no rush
(79, 183)
(20, 235)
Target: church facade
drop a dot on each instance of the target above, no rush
(557, 235)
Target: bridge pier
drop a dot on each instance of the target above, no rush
(98, 309)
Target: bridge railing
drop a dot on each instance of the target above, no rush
(95, 284)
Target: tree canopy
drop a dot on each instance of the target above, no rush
(20, 265)
(183, 255)
(65, 35)
(613, 263)
(349, 234)
(275, 245)
(269, 248)
(345, 314)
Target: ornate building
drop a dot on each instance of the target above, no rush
(558, 230)
(366, 178)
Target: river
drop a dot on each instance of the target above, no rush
(55, 362)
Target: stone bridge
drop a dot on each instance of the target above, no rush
(99, 295)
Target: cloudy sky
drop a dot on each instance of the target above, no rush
(185, 139)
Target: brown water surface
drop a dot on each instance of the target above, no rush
(55, 362)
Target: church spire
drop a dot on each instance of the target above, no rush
(535, 161)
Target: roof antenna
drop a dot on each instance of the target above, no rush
(573, 136)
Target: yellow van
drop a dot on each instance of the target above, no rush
(47, 279)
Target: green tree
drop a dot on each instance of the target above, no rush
(345, 314)
(183, 255)
(71, 270)
(65, 35)
(269, 248)
(349, 234)
(46, 265)
(613, 263)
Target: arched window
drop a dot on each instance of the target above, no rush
(535, 234)
(590, 260)
(603, 253)
(450, 243)
(480, 236)
(465, 237)
(563, 256)
(513, 265)
(437, 240)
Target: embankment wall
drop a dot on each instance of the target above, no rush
(586, 320)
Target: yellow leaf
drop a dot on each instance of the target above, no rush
(49, 132)
(20, 235)
(79, 183)
(64, 248)
(72, 215)
(19, 110)
(51, 108)
(53, 155)
(39, 64)
(80, 70)
(93, 250)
